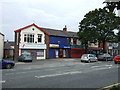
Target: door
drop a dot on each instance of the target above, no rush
(56, 53)
(33, 53)
(92, 57)
(64, 53)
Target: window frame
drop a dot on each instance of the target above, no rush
(39, 38)
(29, 38)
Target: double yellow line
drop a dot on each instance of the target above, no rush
(107, 87)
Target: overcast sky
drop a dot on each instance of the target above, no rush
(15, 14)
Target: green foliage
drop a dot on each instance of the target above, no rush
(98, 25)
(118, 36)
(111, 6)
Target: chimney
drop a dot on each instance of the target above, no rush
(65, 28)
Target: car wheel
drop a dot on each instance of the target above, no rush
(8, 66)
(89, 61)
(115, 62)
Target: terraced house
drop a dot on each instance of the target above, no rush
(42, 43)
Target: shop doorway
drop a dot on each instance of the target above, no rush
(56, 53)
(33, 53)
(61, 53)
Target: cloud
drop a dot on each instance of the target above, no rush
(45, 13)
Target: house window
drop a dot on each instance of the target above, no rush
(68, 40)
(40, 53)
(29, 38)
(39, 38)
(74, 41)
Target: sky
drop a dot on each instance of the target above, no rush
(55, 14)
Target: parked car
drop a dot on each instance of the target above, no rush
(88, 58)
(117, 59)
(105, 57)
(6, 64)
(25, 57)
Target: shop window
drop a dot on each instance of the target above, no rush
(39, 38)
(27, 52)
(64, 53)
(29, 38)
(40, 53)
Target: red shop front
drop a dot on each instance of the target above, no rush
(77, 52)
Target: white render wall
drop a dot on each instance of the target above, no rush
(36, 31)
(36, 45)
(1, 45)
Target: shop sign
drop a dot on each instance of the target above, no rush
(53, 45)
(64, 46)
(32, 46)
(77, 46)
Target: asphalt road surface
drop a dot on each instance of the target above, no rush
(68, 73)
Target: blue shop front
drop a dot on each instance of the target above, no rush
(58, 47)
(59, 51)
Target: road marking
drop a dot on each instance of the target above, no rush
(95, 66)
(2, 81)
(59, 74)
(102, 66)
(108, 65)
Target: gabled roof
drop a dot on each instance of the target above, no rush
(30, 26)
(52, 32)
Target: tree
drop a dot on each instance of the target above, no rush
(112, 5)
(98, 25)
(118, 36)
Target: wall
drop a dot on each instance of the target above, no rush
(58, 40)
(36, 31)
(1, 45)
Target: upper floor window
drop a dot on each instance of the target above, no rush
(29, 38)
(74, 41)
(68, 40)
(39, 38)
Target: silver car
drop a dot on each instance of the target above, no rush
(88, 58)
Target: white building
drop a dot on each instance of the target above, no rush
(1, 45)
(30, 40)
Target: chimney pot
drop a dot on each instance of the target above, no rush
(65, 28)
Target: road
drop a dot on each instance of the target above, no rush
(61, 74)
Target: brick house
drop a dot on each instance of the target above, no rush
(63, 44)
(1, 45)
(8, 49)
(42, 43)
